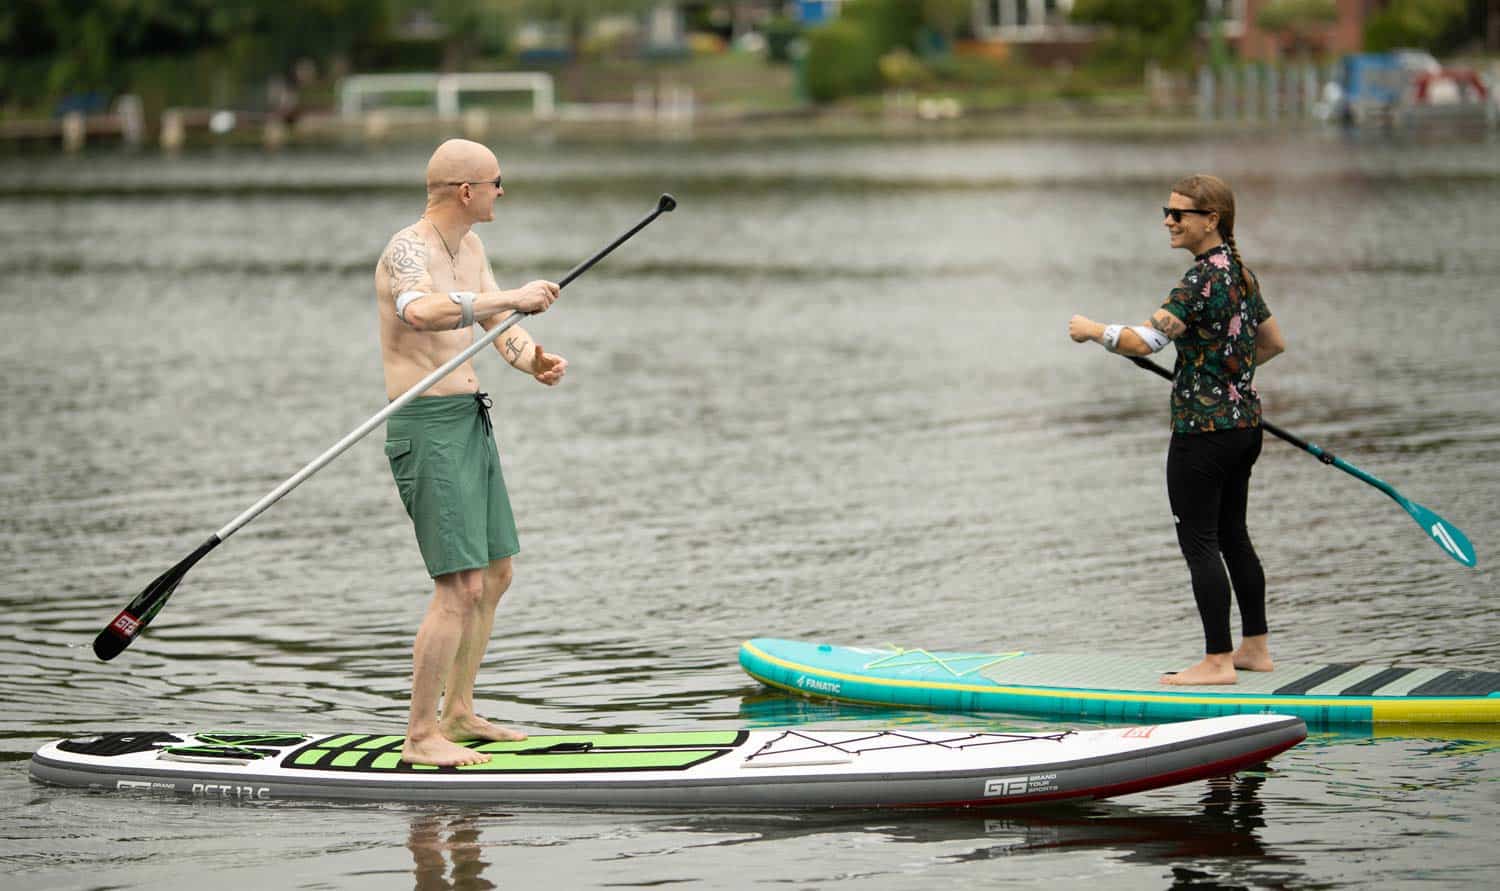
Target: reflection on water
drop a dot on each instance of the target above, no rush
(1217, 838)
(447, 854)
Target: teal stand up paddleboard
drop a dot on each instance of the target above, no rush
(1119, 688)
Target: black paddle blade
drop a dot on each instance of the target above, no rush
(137, 614)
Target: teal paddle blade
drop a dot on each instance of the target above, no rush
(1448, 536)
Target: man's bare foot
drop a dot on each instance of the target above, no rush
(440, 752)
(474, 727)
(1254, 654)
(1211, 671)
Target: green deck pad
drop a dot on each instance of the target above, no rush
(308, 758)
(347, 739)
(381, 742)
(597, 741)
(538, 754)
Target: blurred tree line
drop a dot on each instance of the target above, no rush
(1166, 31)
(81, 53)
(198, 51)
(876, 44)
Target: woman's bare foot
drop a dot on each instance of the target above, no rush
(1254, 654)
(440, 752)
(462, 727)
(1215, 669)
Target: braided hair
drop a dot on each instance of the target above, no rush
(1211, 193)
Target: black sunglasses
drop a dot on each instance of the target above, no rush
(474, 182)
(1176, 213)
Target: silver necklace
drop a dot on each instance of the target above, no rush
(452, 257)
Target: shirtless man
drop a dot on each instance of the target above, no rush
(432, 284)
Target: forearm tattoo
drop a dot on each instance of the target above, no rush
(406, 262)
(515, 345)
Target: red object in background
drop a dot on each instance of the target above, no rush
(1429, 84)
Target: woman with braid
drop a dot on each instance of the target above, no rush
(1223, 332)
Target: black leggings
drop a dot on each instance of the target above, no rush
(1208, 484)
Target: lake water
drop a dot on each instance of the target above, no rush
(832, 396)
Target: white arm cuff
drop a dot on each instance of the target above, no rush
(403, 301)
(465, 300)
(1111, 336)
(1153, 338)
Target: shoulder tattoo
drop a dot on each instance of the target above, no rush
(406, 262)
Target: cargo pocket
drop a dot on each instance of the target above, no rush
(398, 452)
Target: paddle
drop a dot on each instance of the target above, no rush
(137, 614)
(1448, 536)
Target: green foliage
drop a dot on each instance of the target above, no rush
(842, 60)
(901, 68)
(93, 45)
(877, 41)
(947, 17)
(887, 23)
(971, 70)
(1297, 15)
(1418, 24)
(781, 32)
(1159, 30)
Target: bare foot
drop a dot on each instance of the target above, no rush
(1210, 672)
(474, 727)
(1254, 654)
(440, 752)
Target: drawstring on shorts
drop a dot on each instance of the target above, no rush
(483, 404)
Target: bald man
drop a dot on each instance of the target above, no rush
(432, 285)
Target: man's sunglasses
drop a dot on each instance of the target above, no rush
(1176, 212)
(475, 182)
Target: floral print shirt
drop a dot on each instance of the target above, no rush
(1212, 387)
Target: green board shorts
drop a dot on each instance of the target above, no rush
(447, 469)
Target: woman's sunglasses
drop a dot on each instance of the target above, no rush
(1176, 212)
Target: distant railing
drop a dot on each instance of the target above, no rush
(1270, 93)
(1259, 92)
(445, 89)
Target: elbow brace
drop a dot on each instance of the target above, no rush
(405, 299)
(465, 301)
(1154, 339)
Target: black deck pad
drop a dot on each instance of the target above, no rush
(123, 743)
(1321, 676)
(1461, 683)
